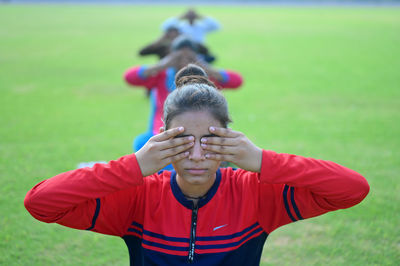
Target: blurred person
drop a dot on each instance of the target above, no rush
(158, 79)
(193, 25)
(162, 46)
(198, 213)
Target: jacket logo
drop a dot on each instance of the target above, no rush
(218, 227)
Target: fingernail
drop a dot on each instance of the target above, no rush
(191, 138)
(204, 140)
(180, 128)
(186, 153)
(203, 145)
(212, 129)
(207, 155)
(191, 143)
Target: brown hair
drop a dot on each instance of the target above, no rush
(195, 92)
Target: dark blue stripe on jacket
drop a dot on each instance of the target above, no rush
(169, 247)
(167, 238)
(296, 210)
(96, 214)
(211, 238)
(285, 201)
(199, 238)
(228, 245)
(135, 231)
(137, 224)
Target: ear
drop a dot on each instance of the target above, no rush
(162, 129)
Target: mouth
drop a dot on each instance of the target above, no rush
(196, 171)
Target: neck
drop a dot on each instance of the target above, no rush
(194, 191)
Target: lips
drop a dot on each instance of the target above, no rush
(196, 171)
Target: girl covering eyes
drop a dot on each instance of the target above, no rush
(197, 213)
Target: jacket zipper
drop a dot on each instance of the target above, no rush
(193, 233)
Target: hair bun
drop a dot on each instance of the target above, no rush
(192, 74)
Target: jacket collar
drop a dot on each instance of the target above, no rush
(188, 203)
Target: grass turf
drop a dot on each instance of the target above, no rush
(320, 82)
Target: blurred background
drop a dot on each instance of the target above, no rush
(321, 79)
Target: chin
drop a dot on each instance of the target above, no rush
(198, 179)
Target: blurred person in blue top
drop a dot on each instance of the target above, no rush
(193, 25)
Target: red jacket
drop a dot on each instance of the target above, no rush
(230, 225)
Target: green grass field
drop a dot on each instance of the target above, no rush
(319, 82)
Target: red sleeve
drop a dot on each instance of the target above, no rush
(98, 198)
(231, 80)
(134, 76)
(294, 188)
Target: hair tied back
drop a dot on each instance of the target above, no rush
(192, 74)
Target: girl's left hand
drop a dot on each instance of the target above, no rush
(232, 146)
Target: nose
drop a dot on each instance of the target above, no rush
(197, 153)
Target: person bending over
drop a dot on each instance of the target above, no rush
(197, 214)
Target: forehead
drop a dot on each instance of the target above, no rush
(196, 123)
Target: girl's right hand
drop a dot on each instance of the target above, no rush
(163, 149)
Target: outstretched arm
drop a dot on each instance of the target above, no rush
(159, 47)
(146, 76)
(105, 197)
(296, 188)
(224, 79)
(291, 187)
(154, 48)
(86, 198)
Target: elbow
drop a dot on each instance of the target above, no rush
(28, 202)
(131, 76)
(360, 190)
(32, 205)
(348, 194)
(235, 81)
(364, 189)
(142, 52)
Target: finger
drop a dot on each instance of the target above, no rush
(220, 149)
(176, 150)
(175, 142)
(219, 141)
(220, 157)
(170, 133)
(175, 158)
(224, 132)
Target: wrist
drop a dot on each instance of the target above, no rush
(141, 163)
(151, 71)
(257, 160)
